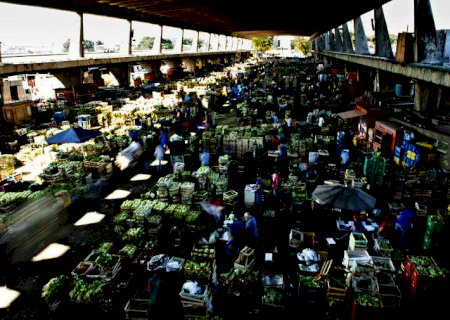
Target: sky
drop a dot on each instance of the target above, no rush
(39, 26)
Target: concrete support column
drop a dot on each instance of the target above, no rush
(383, 46)
(157, 43)
(234, 47)
(208, 46)
(126, 48)
(338, 40)
(195, 42)
(323, 42)
(427, 97)
(76, 48)
(331, 41)
(122, 74)
(178, 48)
(326, 40)
(361, 46)
(2, 94)
(425, 40)
(347, 40)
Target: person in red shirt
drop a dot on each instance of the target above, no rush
(387, 226)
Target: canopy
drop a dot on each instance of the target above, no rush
(73, 135)
(342, 197)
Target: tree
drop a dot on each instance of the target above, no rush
(99, 43)
(302, 45)
(261, 44)
(88, 45)
(167, 44)
(201, 43)
(146, 43)
(66, 45)
(187, 42)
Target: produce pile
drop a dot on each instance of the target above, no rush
(367, 300)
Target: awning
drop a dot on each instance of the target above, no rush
(350, 114)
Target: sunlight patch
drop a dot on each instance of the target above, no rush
(118, 194)
(90, 218)
(52, 251)
(7, 296)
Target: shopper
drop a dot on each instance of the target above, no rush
(259, 191)
(276, 183)
(159, 156)
(403, 225)
(387, 226)
(250, 231)
(205, 158)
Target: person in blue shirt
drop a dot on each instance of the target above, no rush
(164, 138)
(251, 230)
(205, 158)
(275, 118)
(403, 225)
(259, 191)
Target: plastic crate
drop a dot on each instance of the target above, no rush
(359, 311)
(357, 240)
(383, 247)
(390, 295)
(350, 255)
(383, 264)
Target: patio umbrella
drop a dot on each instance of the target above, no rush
(342, 197)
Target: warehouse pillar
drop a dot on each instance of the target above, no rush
(2, 94)
(361, 46)
(76, 47)
(122, 74)
(347, 40)
(425, 40)
(157, 43)
(338, 40)
(331, 41)
(126, 48)
(195, 42)
(383, 46)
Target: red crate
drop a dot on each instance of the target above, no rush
(407, 270)
(423, 286)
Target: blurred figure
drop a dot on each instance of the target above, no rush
(159, 156)
(250, 230)
(205, 157)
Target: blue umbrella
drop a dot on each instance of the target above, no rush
(73, 135)
(342, 197)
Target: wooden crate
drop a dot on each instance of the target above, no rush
(136, 309)
(246, 256)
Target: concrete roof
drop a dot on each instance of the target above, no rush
(244, 18)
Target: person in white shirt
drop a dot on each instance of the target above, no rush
(289, 121)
